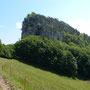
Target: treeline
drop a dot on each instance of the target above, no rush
(7, 51)
(61, 57)
(81, 40)
(68, 59)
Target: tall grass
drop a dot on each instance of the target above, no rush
(15, 73)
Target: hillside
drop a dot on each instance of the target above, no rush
(66, 53)
(37, 79)
(36, 24)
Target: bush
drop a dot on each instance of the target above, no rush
(46, 52)
(9, 51)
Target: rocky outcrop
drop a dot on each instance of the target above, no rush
(35, 24)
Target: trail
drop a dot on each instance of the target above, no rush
(4, 85)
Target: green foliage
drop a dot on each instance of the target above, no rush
(48, 53)
(1, 49)
(9, 51)
(35, 24)
(71, 56)
(80, 40)
(82, 56)
(62, 58)
(69, 63)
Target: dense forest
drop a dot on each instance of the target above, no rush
(52, 44)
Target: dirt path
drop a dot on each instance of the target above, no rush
(4, 85)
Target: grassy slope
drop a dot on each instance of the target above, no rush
(37, 79)
(0, 88)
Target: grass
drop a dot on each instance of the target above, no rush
(15, 73)
(0, 88)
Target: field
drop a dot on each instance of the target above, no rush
(16, 73)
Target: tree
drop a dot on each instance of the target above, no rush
(1, 49)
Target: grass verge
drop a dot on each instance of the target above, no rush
(16, 72)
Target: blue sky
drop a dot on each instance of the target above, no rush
(12, 13)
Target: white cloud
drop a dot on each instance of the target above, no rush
(18, 25)
(82, 25)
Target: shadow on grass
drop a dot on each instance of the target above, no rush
(50, 69)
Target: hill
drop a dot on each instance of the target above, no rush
(36, 24)
(69, 55)
(36, 78)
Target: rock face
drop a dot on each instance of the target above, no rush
(35, 24)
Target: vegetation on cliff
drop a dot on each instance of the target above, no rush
(36, 24)
(52, 44)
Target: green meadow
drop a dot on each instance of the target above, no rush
(17, 73)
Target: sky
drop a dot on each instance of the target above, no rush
(12, 13)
